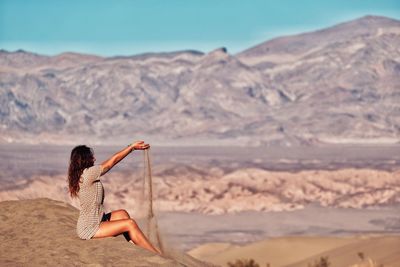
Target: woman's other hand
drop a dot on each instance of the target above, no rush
(139, 145)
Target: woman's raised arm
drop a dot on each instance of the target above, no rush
(117, 157)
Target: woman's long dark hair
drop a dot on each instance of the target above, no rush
(81, 158)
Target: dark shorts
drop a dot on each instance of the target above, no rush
(106, 217)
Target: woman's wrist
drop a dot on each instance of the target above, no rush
(131, 147)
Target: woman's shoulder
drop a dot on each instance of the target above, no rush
(92, 172)
(92, 168)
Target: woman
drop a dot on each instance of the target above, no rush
(84, 183)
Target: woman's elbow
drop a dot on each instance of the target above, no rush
(105, 167)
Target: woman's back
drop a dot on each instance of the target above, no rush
(91, 198)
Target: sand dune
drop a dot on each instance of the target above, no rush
(276, 251)
(381, 251)
(301, 251)
(41, 232)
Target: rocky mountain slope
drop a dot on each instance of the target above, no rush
(339, 84)
(190, 189)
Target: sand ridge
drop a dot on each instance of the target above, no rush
(41, 232)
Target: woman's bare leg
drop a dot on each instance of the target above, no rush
(118, 215)
(112, 228)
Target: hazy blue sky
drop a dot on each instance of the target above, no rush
(125, 27)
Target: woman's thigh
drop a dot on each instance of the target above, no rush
(119, 215)
(112, 228)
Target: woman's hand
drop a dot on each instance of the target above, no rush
(139, 145)
(117, 157)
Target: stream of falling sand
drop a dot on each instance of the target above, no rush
(153, 232)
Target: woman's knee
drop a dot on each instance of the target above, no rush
(132, 223)
(123, 213)
(126, 214)
(119, 214)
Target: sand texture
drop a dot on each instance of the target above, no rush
(41, 232)
(305, 251)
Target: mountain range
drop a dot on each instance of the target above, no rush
(335, 85)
